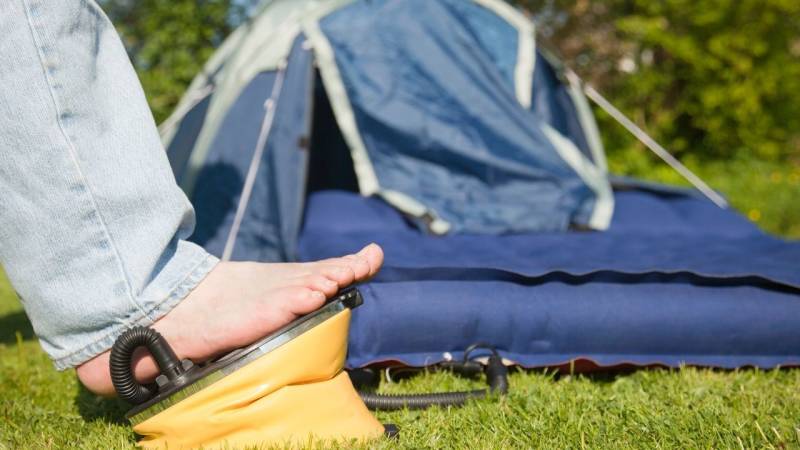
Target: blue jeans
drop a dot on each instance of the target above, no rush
(92, 223)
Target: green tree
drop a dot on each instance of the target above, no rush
(168, 41)
(714, 79)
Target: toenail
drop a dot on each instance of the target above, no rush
(318, 295)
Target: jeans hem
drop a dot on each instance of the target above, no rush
(139, 317)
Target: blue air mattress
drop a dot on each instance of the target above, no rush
(675, 280)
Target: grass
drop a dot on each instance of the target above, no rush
(685, 408)
(764, 191)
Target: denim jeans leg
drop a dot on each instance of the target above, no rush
(92, 223)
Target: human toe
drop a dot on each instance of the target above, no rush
(339, 272)
(303, 300)
(373, 255)
(359, 264)
(320, 283)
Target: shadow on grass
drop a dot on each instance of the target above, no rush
(606, 376)
(12, 323)
(94, 408)
(369, 380)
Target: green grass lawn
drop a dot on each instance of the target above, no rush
(687, 408)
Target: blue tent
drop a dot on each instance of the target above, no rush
(440, 131)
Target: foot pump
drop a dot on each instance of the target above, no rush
(281, 390)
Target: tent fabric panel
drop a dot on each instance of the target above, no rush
(494, 35)
(552, 103)
(482, 166)
(524, 68)
(288, 147)
(220, 182)
(345, 117)
(184, 137)
(271, 218)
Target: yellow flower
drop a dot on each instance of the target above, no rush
(776, 177)
(754, 215)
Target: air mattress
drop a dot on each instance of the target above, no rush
(675, 280)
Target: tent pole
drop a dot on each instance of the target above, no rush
(648, 142)
(266, 126)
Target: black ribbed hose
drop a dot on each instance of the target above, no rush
(389, 402)
(171, 367)
(126, 385)
(496, 377)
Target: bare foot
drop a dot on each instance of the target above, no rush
(238, 303)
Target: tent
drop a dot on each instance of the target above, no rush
(438, 129)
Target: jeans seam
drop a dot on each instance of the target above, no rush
(192, 277)
(73, 156)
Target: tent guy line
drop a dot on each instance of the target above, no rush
(649, 142)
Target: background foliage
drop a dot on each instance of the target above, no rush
(169, 41)
(716, 79)
(717, 82)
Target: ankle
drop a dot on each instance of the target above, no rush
(95, 376)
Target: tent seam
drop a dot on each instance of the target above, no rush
(342, 109)
(72, 150)
(591, 175)
(587, 121)
(526, 48)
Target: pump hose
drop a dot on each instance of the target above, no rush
(122, 377)
(389, 402)
(496, 377)
(170, 366)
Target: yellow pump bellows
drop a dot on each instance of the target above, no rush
(290, 394)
